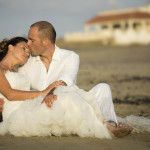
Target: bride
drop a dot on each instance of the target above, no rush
(73, 113)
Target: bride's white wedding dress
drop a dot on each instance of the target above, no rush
(73, 113)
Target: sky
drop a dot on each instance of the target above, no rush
(16, 16)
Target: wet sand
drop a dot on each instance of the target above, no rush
(127, 71)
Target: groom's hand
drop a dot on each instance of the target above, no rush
(49, 99)
(1, 104)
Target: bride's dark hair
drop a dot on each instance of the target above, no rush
(5, 43)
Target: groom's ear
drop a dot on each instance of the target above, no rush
(46, 41)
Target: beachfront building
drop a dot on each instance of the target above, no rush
(121, 27)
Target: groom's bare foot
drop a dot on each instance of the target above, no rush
(120, 131)
(121, 125)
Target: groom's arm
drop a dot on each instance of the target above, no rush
(69, 71)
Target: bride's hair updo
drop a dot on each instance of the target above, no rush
(5, 43)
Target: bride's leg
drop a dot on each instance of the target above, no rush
(103, 95)
(1, 108)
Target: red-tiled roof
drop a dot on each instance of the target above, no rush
(121, 16)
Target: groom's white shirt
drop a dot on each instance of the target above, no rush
(64, 66)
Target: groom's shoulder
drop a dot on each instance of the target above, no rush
(65, 52)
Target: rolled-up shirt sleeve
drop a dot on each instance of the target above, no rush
(70, 70)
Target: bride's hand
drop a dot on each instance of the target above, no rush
(54, 85)
(58, 83)
(1, 104)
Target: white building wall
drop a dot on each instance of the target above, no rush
(120, 36)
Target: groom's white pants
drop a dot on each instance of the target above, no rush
(103, 95)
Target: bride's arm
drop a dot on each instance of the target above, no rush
(12, 94)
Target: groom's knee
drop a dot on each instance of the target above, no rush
(104, 89)
(104, 86)
(101, 89)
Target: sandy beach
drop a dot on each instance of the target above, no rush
(130, 142)
(127, 71)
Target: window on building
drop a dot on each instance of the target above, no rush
(136, 26)
(103, 27)
(116, 26)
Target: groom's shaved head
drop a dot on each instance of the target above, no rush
(46, 30)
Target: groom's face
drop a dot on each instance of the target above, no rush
(34, 43)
